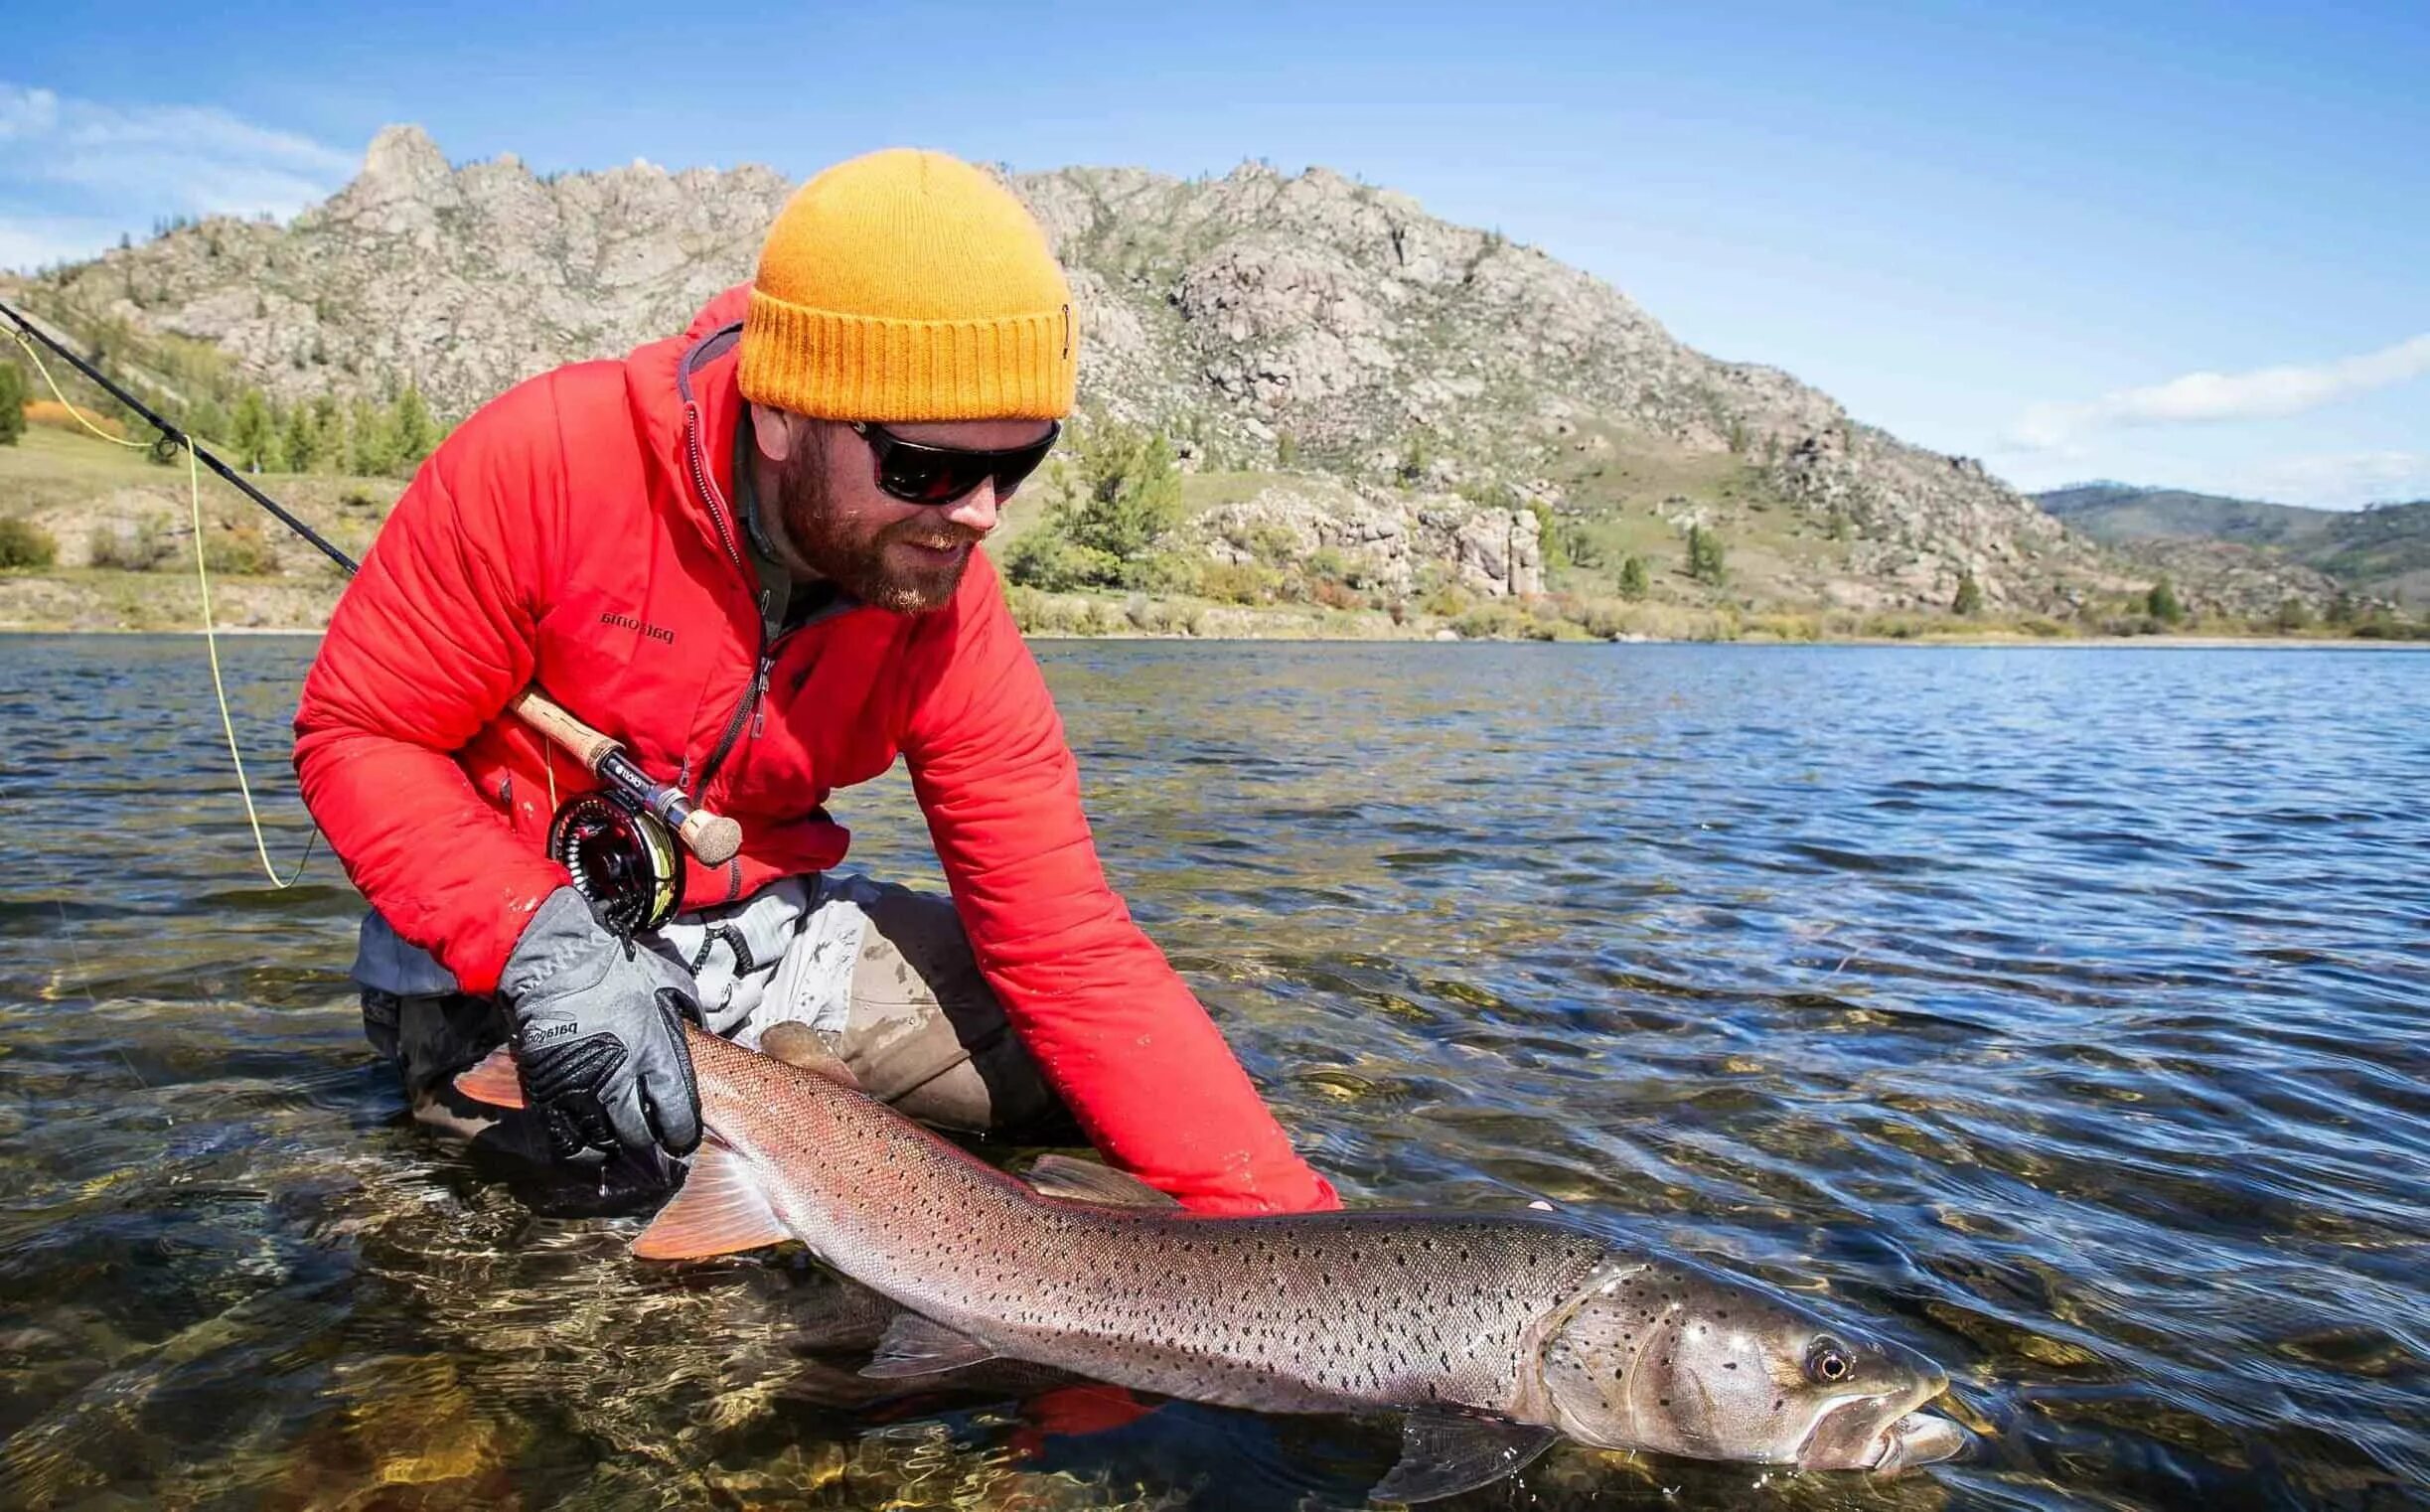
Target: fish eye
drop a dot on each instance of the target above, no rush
(1828, 1364)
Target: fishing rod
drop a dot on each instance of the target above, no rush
(619, 852)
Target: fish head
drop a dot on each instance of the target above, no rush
(1668, 1357)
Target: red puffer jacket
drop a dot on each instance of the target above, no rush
(575, 533)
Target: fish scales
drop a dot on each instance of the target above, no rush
(1281, 1313)
(1494, 1333)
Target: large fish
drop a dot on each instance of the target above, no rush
(1494, 1333)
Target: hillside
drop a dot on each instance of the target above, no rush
(1362, 377)
(2382, 552)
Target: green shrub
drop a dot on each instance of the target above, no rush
(1969, 598)
(1236, 583)
(239, 550)
(145, 548)
(12, 403)
(1167, 573)
(23, 543)
(2162, 603)
(1048, 559)
(1705, 556)
(1496, 620)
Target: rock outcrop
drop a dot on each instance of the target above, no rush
(1258, 318)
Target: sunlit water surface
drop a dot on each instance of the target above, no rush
(2059, 1012)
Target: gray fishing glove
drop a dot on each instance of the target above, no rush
(598, 1031)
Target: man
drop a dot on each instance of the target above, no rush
(749, 554)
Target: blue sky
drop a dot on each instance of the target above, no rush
(2185, 244)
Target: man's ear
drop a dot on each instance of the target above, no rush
(773, 429)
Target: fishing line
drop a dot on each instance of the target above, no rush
(211, 634)
(631, 856)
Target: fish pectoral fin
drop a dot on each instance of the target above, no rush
(1072, 1180)
(918, 1346)
(495, 1081)
(1444, 1453)
(719, 1209)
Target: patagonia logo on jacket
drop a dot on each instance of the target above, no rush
(658, 633)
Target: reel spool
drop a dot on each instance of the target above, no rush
(623, 859)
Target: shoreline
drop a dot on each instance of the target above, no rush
(1911, 643)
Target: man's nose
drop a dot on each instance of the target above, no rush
(976, 509)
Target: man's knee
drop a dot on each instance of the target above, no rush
(929, 1035)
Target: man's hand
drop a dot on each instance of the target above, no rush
(598, 1031)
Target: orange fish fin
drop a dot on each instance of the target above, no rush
(1075, 1180)
(719, 1210)
(494, 1081)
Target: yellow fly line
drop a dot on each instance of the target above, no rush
(211, 635)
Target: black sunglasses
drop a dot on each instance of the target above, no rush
(917, 473)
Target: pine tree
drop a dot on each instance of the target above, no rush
(300, 446)
(329, 421)
(250, 435)
(370, 449)
(2160, 603)
(410, 428)
(1633, 577)
(1131, 491)
(12, 403)
(1705, 560)
(1969, 598)
(207, 421)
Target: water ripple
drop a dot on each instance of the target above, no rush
(2058, 1011)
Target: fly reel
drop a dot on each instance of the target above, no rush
(623, 859)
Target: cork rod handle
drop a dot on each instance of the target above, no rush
(712, 837)
(545, 715)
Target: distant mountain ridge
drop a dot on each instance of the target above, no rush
(1266, 323)
(2384, 550)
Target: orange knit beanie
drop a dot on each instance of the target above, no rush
(909, 286)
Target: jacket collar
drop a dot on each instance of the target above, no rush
(686, 400)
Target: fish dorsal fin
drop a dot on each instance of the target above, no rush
(721, 1208)
(918, 1346)
(494, 1081)
(1074, 1180)
(1444, 1453)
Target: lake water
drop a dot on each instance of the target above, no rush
(2064, 1013)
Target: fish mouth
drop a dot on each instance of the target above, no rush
(1881, 1435)
(1918, 1438)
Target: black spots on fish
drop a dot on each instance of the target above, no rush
(1777, 1404)
(1730, 1363)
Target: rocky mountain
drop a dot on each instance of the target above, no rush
(2382, 552)
(1307, 325)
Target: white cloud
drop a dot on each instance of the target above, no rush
(31, 242)
(80, 172)
(2262, 393)
(2336, 480)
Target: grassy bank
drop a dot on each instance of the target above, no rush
(103, 542)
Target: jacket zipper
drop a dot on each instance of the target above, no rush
(750, 710)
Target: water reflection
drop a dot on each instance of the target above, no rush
(2058, 1009)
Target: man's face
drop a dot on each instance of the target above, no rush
(907, 557)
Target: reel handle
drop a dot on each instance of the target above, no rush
(710, 837)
